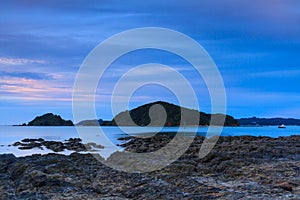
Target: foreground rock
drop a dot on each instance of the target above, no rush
(237, 168)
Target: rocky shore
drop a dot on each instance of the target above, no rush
(242, 167)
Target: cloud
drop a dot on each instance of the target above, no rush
(26, 75)
(20, 61)
(28, 86)
(35, 87)
(277, 74)
(254, 18)
(150, 71)
(44, 42)
(247, 97)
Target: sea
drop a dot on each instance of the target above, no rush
(108, 136)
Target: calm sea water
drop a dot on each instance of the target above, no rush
(11, 134)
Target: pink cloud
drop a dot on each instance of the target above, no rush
(28, 89)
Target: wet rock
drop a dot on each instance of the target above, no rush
(73, 144)
(17, 144)
(32, 140)
(91, 145)
(39, 179)
(5, 161)
(286, 186)
(17, 170)
(54, 146)
(236, 168)
(180, 168)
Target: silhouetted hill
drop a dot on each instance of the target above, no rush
(50, 119)
(140, 116)
(268, 121)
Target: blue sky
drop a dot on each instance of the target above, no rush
(255, 45)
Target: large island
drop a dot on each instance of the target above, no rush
(140, 117)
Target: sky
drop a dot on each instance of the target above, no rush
(254, 43)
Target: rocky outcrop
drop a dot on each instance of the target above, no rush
(50, 119)
(73, 144)
(242, 167)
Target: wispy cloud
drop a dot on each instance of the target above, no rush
(22, 85)
(26, 75)
(277, 73)
(20, 61)
(34, 86)
(247, 97)
(156, 71)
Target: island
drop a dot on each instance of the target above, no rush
(255, 121)
(50, 119)
(140, 117)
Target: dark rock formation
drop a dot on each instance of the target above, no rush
(73, 144)
(50, 119)
(243, 167)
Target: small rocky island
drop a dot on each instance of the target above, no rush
(50, 119)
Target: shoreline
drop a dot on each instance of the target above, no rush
(237, 167)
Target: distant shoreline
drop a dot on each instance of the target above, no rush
(151, 126)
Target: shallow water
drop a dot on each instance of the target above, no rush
(109, 135)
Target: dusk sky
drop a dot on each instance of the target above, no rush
(254, 43)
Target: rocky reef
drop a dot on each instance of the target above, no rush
(242, 167)
(72, 144)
